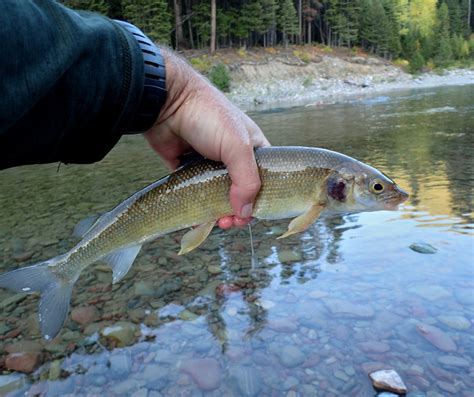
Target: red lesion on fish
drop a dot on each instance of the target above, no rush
(336, 189)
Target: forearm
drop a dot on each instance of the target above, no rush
(70, 83)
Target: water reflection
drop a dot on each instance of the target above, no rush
(315, 313)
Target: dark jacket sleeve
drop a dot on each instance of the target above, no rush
(69, 83)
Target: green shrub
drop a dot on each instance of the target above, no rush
(220, 77)
(202, 64)
(307, 81)
(416, 62)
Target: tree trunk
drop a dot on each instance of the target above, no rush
(213, 26)
(321, 29)
(178, 24)
(190, 27)
(300, 19)
(309, 32)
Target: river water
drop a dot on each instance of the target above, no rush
(312, 315)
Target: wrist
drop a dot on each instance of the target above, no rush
(182, 83)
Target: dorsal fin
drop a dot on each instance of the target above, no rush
(86, 224)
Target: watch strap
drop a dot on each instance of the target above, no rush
(154, 88)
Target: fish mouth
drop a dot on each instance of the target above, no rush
(396, 197)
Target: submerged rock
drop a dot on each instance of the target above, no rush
(389, 380)
(430, 292)
(437, 337)
(423, 248)
(23, 362)
(288, 256)
(84, 315)
(291, 356)
(343, 308)
(123, 333)
(455, 322)
(246, 380)
(11, 382)
(453, 361)
(205, 372)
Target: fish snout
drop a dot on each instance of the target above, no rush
(402, 194)
(396, 197)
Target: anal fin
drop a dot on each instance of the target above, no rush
(303, 221)
(195, 237)
(121, 261)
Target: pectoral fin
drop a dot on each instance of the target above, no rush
(195, 237)
(303, 221)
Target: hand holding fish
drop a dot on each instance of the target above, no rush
(196, 115)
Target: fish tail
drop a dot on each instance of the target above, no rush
(55, 290)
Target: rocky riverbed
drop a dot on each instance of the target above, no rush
(312, 315)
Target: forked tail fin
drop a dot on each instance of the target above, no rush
(55, 292)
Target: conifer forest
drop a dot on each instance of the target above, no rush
(436, 32)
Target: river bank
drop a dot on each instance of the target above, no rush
(287, 93)
(301, 75)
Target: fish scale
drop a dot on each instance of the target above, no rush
(297, 182)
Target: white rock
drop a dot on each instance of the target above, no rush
(388, 379)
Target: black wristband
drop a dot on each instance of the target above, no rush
(154, 88)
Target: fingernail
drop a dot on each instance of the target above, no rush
(246, 210)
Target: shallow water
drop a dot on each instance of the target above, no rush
(313, 315)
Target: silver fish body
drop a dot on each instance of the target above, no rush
(297, 182)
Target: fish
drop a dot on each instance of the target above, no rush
(298, 183)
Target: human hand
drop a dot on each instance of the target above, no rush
(197, 115)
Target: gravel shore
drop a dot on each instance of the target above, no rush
(309, 89)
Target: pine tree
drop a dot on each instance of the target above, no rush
(443, 54)
(202, 23)
(100, 6)
(269, 21)
(393, 36)
(287, 19)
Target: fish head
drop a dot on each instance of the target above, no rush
(359, 187)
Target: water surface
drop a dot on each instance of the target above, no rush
(315, 314)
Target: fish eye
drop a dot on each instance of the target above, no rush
(377, 187)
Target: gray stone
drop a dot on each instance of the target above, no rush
(168, 287)
(140, 393)
(144, 288)
(154, 371)
(374, 347)
(464, 296)
(11, 300)
(430, 292)
(389, 380)
(205, 372)
(455, 322)
(453, 361)
(11, 382)
(246, 380)
(343, 308)
(164, 356)
(170, 310)
(120, 364)
(54, 370)
(423, 248)
(123, 333)
(214, 269)
(60, 387)
(291, 356)
(126, 387)
(436, 337)
(290, 382)
(289, 256)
